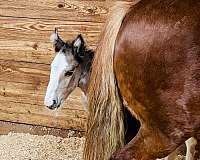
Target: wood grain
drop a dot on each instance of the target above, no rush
(7, 127)
(22, 90)
(36, 115)
(29, 81)
(26, 94)
(25, 26)
(28, 39)
(24, 72)
(26, 52)
(30, 29)
(76, 10)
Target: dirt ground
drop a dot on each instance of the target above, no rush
(18, 146)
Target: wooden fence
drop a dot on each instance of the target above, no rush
(26, 52)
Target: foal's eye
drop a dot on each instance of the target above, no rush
(69, 73)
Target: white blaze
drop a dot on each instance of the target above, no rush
(58, 65)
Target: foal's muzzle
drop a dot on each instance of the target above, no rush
(54, 106)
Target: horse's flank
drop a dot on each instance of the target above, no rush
(157, 64)
(105, 133)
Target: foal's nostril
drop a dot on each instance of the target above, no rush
(54, 105)
(51, 107)
(54, 102)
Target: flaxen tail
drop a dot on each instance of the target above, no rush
(105, 129)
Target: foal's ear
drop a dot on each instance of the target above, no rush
(78, 47)
(56, 40)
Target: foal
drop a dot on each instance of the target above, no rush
(70, 69)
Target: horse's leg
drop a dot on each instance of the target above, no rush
(147, 145)
(179, 151)
(190, 143)
(193, 152)
(172, 155)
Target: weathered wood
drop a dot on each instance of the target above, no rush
(26, 52)
(76, 10)
(28, 81)
(27, 94)
(7, 127)
(37, 115)
(23, 72)
(63, 10)
(23, 39)
(71, 104)
(22, 92)
(28, 29)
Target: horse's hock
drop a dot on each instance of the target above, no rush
(25, 56)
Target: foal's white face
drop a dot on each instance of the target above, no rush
(58, 80)
(62, 82)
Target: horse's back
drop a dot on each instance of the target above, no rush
(157, 63)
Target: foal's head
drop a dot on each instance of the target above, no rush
(69, 69)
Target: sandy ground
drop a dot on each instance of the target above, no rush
(15, 146)
(18, 146)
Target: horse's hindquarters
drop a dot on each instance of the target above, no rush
(157, 65)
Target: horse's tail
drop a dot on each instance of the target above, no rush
(105, 129)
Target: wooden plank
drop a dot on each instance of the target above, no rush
(28, 39)
(25, 94)
(7, 127)
(63, 10)
(71, 109)
(36, 29)
(25, 82)
(28, 24)
(28, 81)
(31, 73)
(25, 55)
(20, 113)
(22, 90)
(76, 10)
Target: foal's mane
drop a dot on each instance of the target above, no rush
(105, 129)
